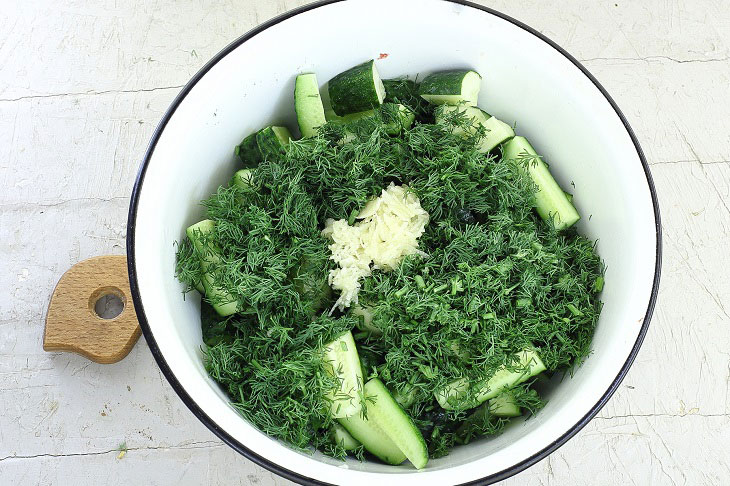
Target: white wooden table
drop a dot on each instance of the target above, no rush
(82, 86)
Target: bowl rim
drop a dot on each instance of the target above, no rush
(272, 466)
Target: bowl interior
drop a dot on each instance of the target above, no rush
(526, 81)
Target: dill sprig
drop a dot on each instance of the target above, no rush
(497, 279)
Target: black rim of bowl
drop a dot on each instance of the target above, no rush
(272, 466)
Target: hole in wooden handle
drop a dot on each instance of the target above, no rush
(74, 324)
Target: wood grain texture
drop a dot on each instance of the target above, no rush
(74, 124)
(72, 323)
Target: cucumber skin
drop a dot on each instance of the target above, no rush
(270, 145)
(451, 87)
(248, 151)
(443, 83)
(353, 91)
(396, 423)
(552, 204)
(396, 117)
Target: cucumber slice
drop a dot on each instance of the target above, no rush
(455, 395)
(365, 317)
(342, 361)
(310, 281)
(339, 435)
(374, 439)
(223, 302)
(496, 131)
(396, 117)
(272, 141)
(242, 178)
(451, 87)
(357, 89)
(396, 423)
(248, 151)
(569, 196)
(406, 397)
(475, 116)
(308, 104)
(504, 405)
(551, 201)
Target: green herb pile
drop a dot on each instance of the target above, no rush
(498, 279)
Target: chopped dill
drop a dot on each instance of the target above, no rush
(497, 279)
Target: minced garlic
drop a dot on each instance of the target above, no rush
(387, 229)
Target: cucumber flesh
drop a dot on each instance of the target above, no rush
(396, 423)
(272, 141)
(365, 317)
(406, 397)
(242, 178)
(357, 89)
(308, 104)
(373, 438)
(396, 117)
(339, 435)
(451, 87)
(248, 151)
(223, 302)
(474, 116)
(342, 361)
(551, 202)
(504, 405)
(455, 395)
(496, 131)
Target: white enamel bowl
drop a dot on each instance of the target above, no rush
(556, 103)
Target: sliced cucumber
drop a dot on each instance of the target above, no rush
(396, 117)
(569, 196)
(365, 317)
(455, 396)
(242, 178)
(357, 89)
(496, 131)
(339, 435)
(223, 302)
(248, 151)
(342, 362)
(451, 87)
(551, 201)
(310, 281)
(308, 104)
(272, 141)
(406, 396)
(374, 439)
(396, 423)
(504, 405)
(445, 114)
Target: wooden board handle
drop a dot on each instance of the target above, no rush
(73, 325)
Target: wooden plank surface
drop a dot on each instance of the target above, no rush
(82, 85)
